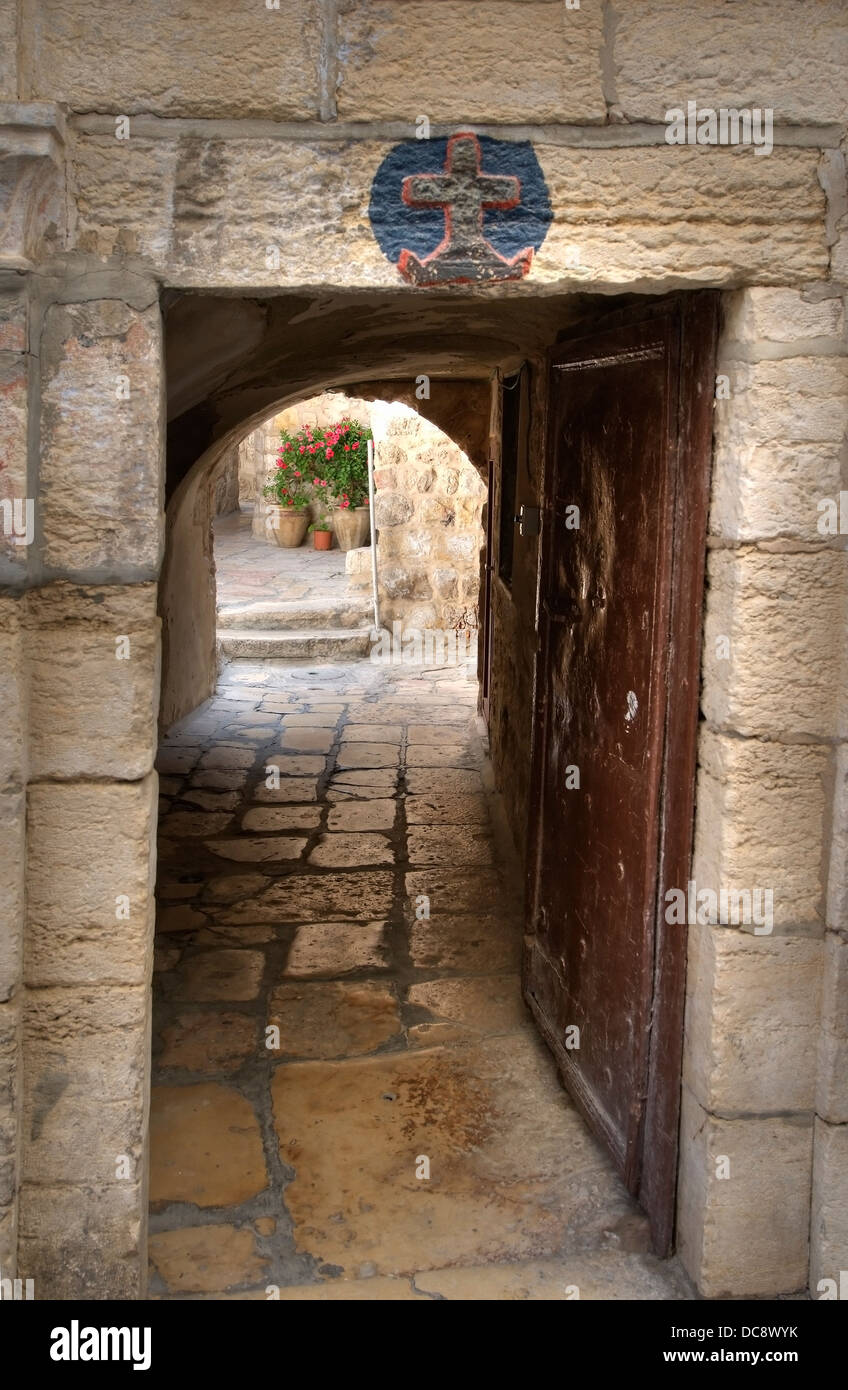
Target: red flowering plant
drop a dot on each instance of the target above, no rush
(346, 463)
(326, 464)
(289, 485)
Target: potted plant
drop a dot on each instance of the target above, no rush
(288, 499)
(346, 470)
(321, 533)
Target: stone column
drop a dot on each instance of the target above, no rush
(92, 646)
(12, 831)
(773, 703)
(32, 227)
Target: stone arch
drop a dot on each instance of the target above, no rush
(187, 587)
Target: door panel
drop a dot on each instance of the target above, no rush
(487, 617)
(606, 605)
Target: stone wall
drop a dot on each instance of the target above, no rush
(80, 677)
(13, 779)
(766, 1037)
(187, 598)
(225, 484)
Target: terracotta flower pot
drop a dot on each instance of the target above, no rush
(287, 526)
(322, 540)
(352, 526)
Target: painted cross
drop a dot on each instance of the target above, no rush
(463, 191)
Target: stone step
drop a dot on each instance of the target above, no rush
(345, 612)
(260, 644)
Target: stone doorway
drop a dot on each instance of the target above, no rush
(243, 247)
(402, 1134)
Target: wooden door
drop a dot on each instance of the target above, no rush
(486, 661)
(621, 583)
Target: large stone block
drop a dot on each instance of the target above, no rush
(78, 932)
(10, 1017)
(239, 59)
(13, 773)
(829, 1223)
(770, 491)
(13, 760)
(12, 859)
(762, 53)
(759, 823)
(834, 162)
(206, 212)
(832, 1091)
(519, 60)
(8, 61)
(796, 400)
(9, 1131)
(94, 680)
(771, 662)
(85, 1104)
(32, 182)
(752, 1014)
(13, 315)
(744, 1235)
(101, 480)
(671, 214)
(837, 873)
(81, 1242)
(763, 315)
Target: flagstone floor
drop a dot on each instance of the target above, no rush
(350, 1100)
(251, 570)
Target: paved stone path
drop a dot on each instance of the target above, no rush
(249, 569)
(350, 1100)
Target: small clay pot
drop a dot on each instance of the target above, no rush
(322, 540)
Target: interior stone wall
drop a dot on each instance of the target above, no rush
(225, 484)
(187, 597)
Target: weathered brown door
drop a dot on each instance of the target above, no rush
(626, 489)
(486, 658)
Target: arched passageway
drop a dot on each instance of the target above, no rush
(347, 1089)
(347, 1084)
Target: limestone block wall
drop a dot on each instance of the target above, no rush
(187, 598)
(428, 514)
(765, 1024)
(16, 374)
(225, 484)
(79, 672)
(257, 455)
(251, 466)
(13, 778)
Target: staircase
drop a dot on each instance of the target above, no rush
(294, 630)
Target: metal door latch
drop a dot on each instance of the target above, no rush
(527, 521)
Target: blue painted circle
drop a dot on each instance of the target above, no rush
(399, 227)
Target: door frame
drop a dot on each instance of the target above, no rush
(653, 1178)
